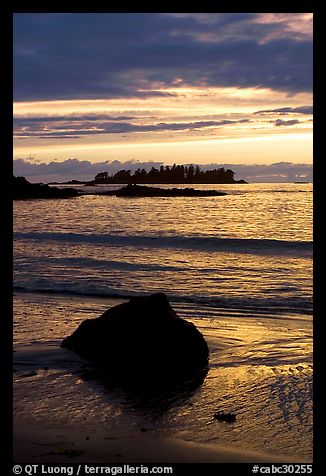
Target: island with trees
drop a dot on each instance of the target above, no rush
(176, 174)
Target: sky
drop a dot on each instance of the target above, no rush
(94, 92)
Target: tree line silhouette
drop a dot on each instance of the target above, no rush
(166, 174)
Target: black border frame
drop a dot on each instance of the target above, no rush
(6, 246)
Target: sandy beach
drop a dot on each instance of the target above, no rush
(255, 371)
(34, 444)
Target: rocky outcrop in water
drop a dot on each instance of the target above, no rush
(23, 189)
(142, 340)
(143, 191)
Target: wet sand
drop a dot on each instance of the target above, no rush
(41, 445)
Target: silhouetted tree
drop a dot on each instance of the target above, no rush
(101, 176)
(123, 176)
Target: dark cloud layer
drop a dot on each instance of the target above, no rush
(25, 121)
(75, 130)
(290, 122)
(288, 110)
(86, 170)
(65, 56)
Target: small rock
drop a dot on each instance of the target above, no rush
(70, 453)
(32, 373)
(227, 417)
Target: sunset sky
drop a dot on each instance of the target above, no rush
(93, 91)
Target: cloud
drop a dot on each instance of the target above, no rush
(73, 168)
(69, 129)
(26, 120)
(288, 110)
(275, 172)
(290, 122)
(107, 55)
(264, 27)
(86, 170)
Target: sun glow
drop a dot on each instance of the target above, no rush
(184, 124)
(177, 99)
(296, 147)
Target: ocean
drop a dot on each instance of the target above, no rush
(239, 266)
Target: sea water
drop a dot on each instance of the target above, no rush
(238, 266)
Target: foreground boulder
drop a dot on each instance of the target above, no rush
(141, 340)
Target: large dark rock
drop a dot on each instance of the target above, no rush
(141, 340)
(23, 189)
